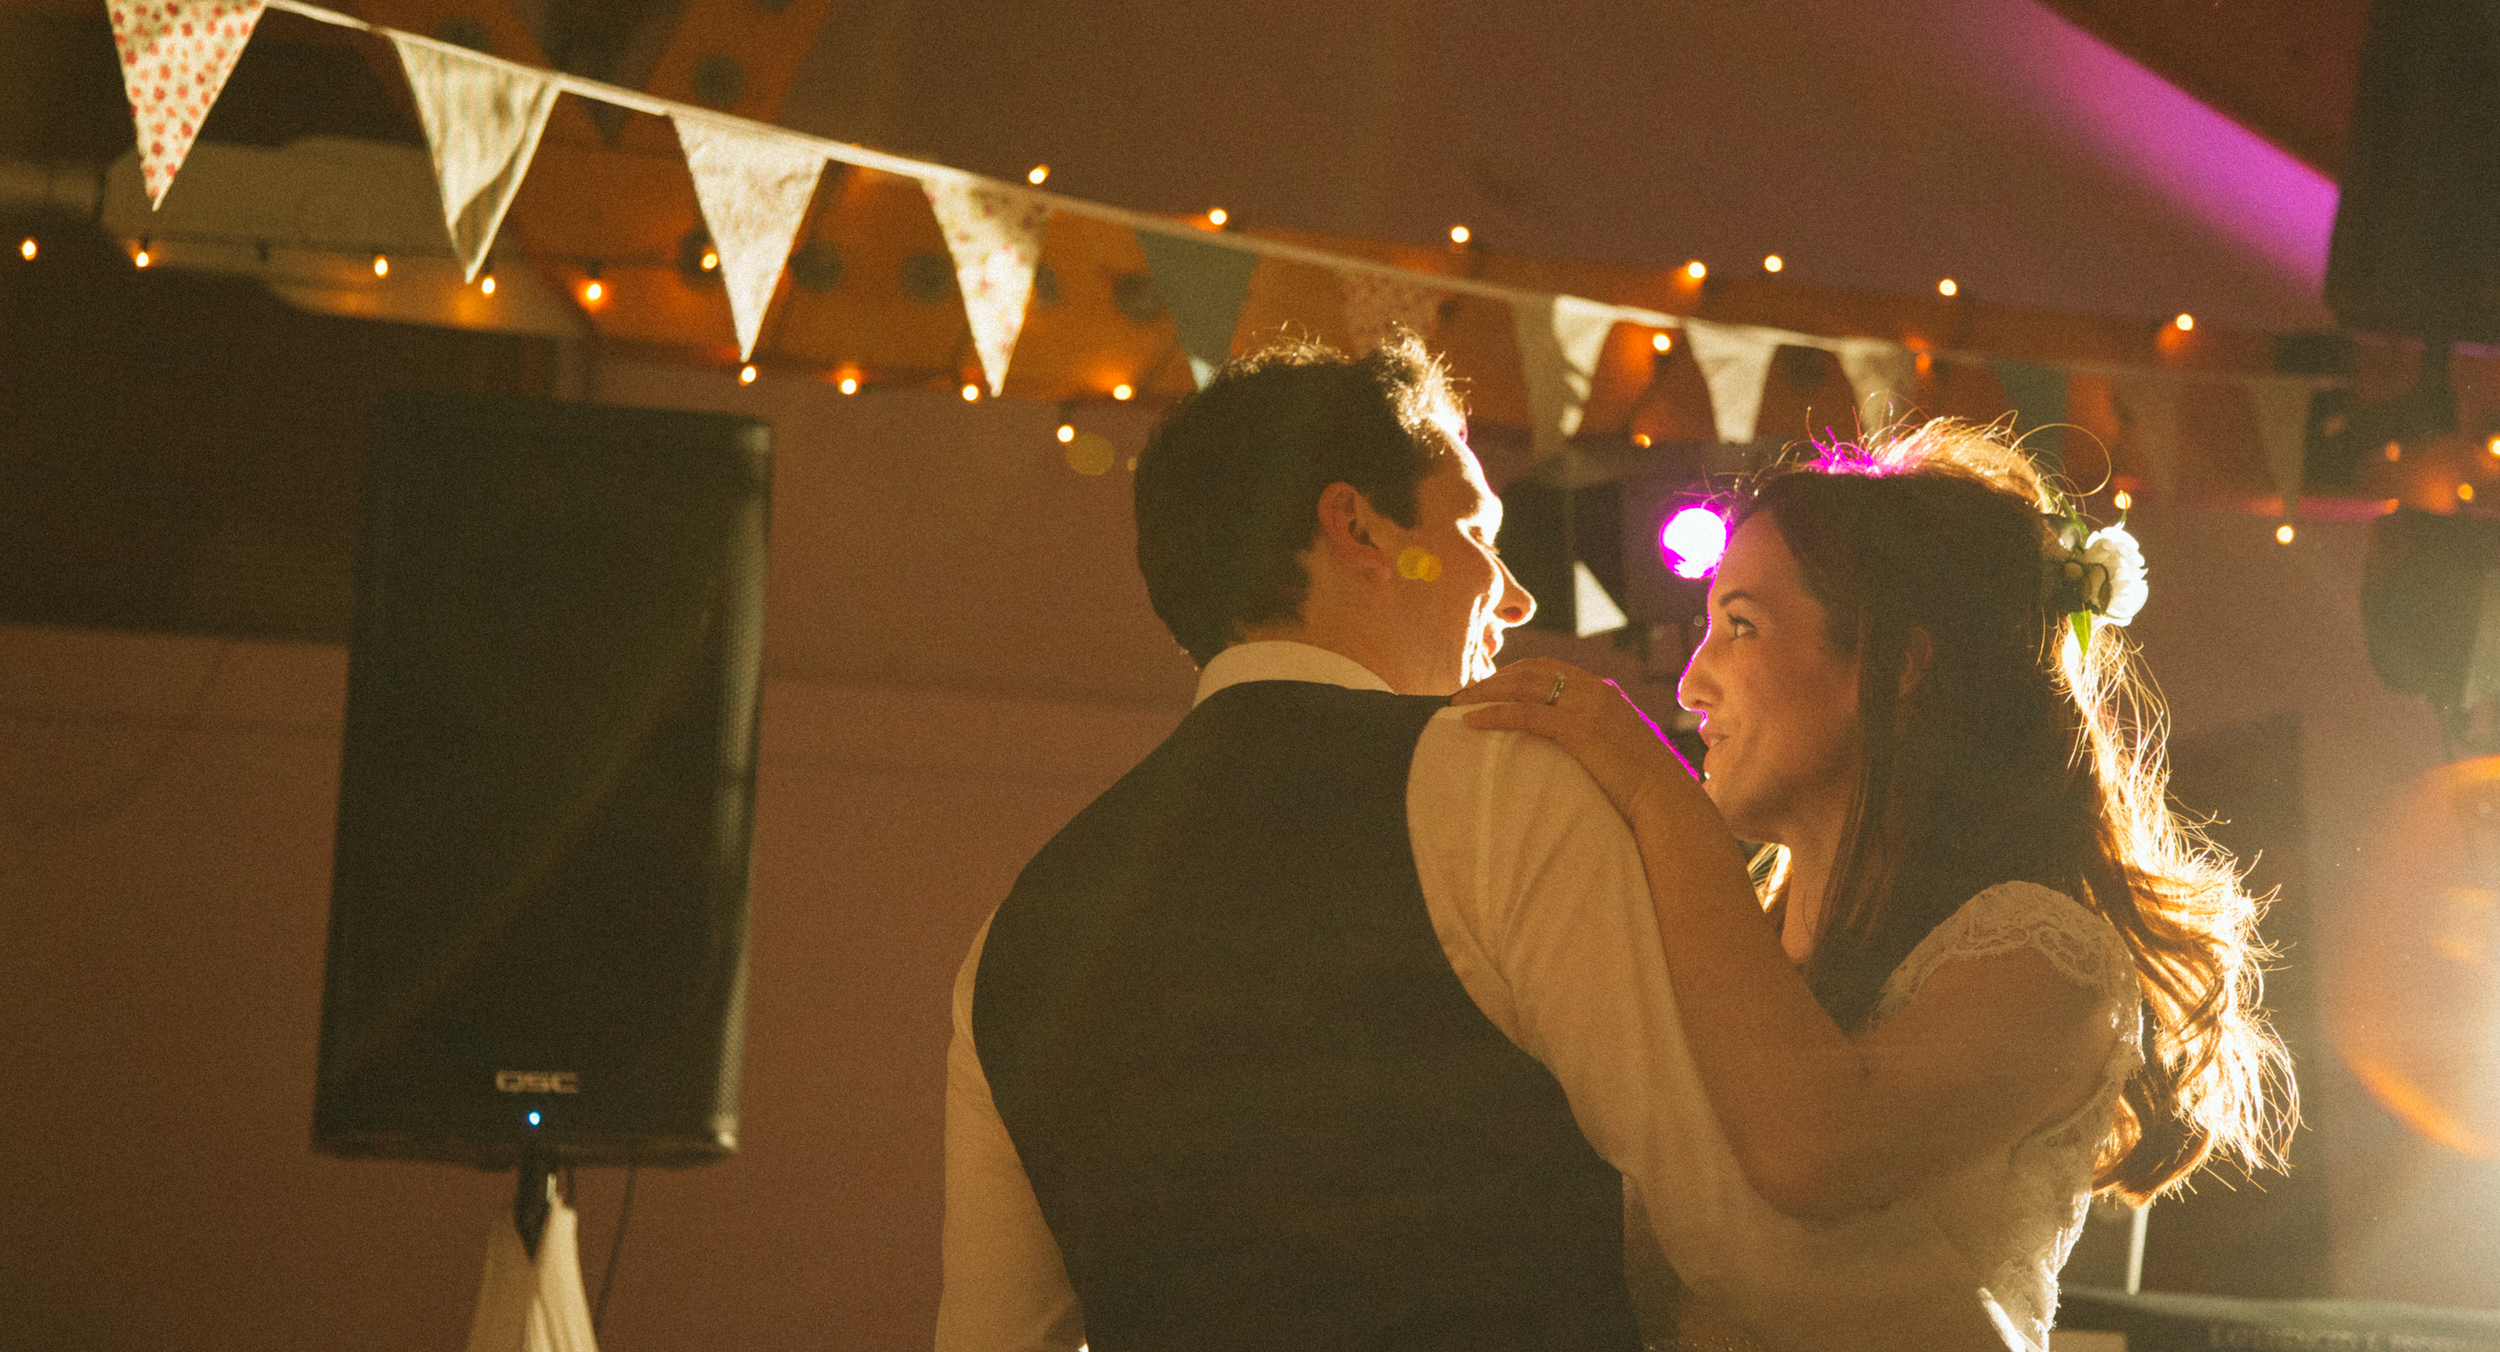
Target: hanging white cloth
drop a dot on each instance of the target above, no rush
(482, 121)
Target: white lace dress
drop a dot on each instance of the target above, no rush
(1968, 1262)
(2016, 1216)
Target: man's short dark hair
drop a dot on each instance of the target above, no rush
(1228, 485)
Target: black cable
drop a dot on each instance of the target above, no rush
(616, 1246)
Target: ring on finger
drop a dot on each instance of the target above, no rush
(1554, 696)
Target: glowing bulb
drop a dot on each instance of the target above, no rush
(1773, 263)
(1640, 439)
(746, 374)
(486, 284)
(1037, 175)
(972, 393)
(1948, 287)
(2282, 533)
(1216, 216)
(142, 258)
(594, 292)
(1661, 342)
(1459, 234)
(850, 384)
(26, 247)
(2183, 323)
(1695, 270)
(1066, 434)
(2465, 492)
(2492, 445)
(1123, 392)
(1692, 541)
(381, 266)
(2123, 499)
(711, 260)
(2393, 451)
(533, 1117)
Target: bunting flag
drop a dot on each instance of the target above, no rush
(176, 55)
(1560, 338)
(2149, 403)
(2282, 407)
(754, 187)
(2038, 394)
(995, 235)
(482, 121)
(1734, 361)
(1376, 305)
(1884, 376)
(1592, 610)
(1202, 285)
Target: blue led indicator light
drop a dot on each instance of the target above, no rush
(533, 1119)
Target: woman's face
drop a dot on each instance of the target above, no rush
(1779, 706)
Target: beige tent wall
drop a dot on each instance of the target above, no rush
(959, 656)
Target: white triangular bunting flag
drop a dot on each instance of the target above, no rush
(1734, 361)
(1884, 377)
(176, 55)
(2282, 406)
(995, 235)
(2149, 404)
(1560, 338)
(1592, 610)
(482, 121)
(754, 186)
(1376, 304)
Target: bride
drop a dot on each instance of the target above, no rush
(1981, 971)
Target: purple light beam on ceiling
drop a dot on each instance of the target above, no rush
(2216, 170)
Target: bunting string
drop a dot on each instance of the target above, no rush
(484, 114)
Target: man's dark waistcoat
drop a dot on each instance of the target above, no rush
(1257, 1106)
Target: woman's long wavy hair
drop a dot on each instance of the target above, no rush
(2016, 756)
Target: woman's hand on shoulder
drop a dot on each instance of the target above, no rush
(1589, 717)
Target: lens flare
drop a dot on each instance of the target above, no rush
(1692, 541)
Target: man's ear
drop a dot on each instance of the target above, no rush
(1917, 656)
(1348, 531)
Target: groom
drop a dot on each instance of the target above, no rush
(1335, 1023)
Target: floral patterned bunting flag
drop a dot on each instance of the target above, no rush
(1375, 302)
(995, 236)
(176, 55)
(754, 187)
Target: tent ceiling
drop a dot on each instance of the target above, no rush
(1877, 147)
(2283, 68)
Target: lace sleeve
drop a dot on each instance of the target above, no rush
(2013, 916)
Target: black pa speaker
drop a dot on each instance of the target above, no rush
(538, 914)
(2414, 251)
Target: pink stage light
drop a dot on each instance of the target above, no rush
(1692, 541)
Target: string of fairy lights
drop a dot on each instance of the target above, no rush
(1086, 452)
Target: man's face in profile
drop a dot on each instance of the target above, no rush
(1452, 611)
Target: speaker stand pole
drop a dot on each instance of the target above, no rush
(531, 1298)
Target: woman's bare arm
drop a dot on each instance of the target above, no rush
(1823, 1125)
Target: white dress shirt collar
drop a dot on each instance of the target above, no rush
(1280, 660)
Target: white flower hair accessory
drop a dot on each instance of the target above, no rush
(2092, 574)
